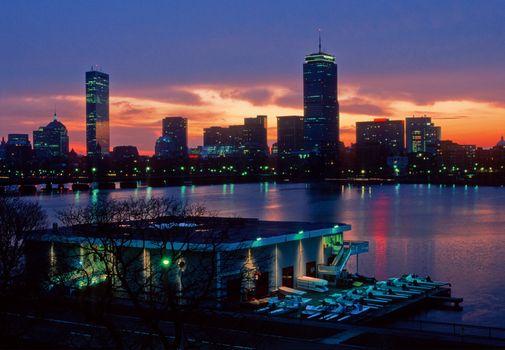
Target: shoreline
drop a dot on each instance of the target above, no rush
(41, 188)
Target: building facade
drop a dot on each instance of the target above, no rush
(51, 141)
(289, 134)
(255, 133)
(97, 113)
(252, 135)
(252, 259)
(422, 135)
(176, 130)
(18, 150)
(383, 132)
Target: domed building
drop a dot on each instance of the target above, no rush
(51, 140)
(501, 143)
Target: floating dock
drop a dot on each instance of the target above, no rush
(362, 304)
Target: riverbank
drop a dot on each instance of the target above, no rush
(72, 187)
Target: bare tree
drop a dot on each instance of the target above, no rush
(17, 219)
(163, 257)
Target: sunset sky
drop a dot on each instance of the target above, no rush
(217, 62)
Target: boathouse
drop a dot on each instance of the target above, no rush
(247, 258)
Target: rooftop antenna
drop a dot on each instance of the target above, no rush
(55, 112)
(319, 31)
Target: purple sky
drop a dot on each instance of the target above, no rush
(220, 61)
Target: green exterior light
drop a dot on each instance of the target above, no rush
(300, 232)
(165, 262)
(258, 239)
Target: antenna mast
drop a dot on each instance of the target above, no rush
(319, 31)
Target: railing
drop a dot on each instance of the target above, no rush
(343, 254)
(457, 329)
(326, 269)
(357, 247)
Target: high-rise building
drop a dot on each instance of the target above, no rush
(383, 132)
(97, 113)
(252, 136)
(18, 140)
(422, 135)
(51, 140)
(216, 136)
(255, 133)
(289, 134)
(3, 149)
(320, 104)
(18, 149)
(176, 130)
(236, 135)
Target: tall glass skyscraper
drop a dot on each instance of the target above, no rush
(320, 104)
(97, 113)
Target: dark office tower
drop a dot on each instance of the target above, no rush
(176, 129)
(123, 153)
(255, 133)
(18, 149)
(97, 113)
(3, 149)
(216, 136)
(320, 104)
(422, 135)
(236, 135)
(388, 134)
(51, 140)
(289, 134)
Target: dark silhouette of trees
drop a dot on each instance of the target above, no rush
(17, 219)
(160, 257)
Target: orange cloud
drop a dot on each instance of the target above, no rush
(135, 119)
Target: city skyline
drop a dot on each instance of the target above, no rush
(425, 68)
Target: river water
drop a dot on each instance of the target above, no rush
(454, 234)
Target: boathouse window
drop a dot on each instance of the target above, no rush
(234, 289)
(287, 276)
(262, 285)
(310, 269)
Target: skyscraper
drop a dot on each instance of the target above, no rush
(320, 104)
(97, 113)
(422, 135)
(51, 140)
(175, 132)
(289, 134)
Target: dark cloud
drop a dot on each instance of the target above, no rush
(453, 117)
(256, 96)
(360, 106)
(162, 93)
(431, 86)
(293, 100)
